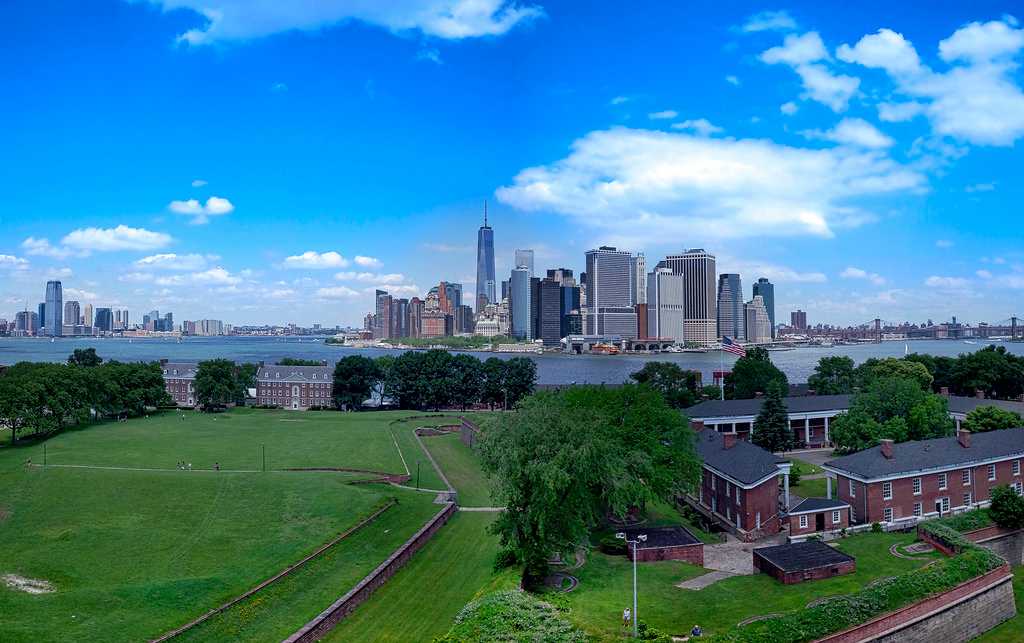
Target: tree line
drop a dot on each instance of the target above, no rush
(42, 399)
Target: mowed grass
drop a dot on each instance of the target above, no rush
(235, 440)
(1011, 631)
(133, 554)
(816, 488)
(462, 468)
(279, 610)
(605, 589)
(424, 476)
(420, 602)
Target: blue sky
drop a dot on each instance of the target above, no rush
(277, 162)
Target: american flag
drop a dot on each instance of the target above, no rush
(734, 347)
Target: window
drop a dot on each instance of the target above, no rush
(1017, 487)
(836, 517)
(944, 504)
(991, 472)
(758, 518)
(1016, 467)
(967, 499)
(965, 477)
(887, 514)
(737, 495)
(886, 491)
(728, 488)
(917, 486)
(803, 522)
(943, 477)
(853, 490)
(917, 509)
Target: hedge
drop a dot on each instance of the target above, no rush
(967, 521)
(512, 616)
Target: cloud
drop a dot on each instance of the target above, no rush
(984, 274)
(943, 243)
(853, 131)
(977, 100)
(618, 100)
(769, 21)
(705, 187)
(663, 115)
(948, 283)
(171, 261)
(281, 293)
(773, 272)
(857, 273)
(10, 262)
(135, 277)
(407, 290)
(198, 183)
(316, 260)
(279, 88)
(214, 276)
(121, 237)
(337, 292)
(732, 80)
(82, 295)
(368, 262)
(701, 126)
(59, 273)
(42, 247)
(805, 54)
(240, 20)
(429, 54)
(215, 206)
(370, 277)
(447, 248)
(980, 187)
(789, 108)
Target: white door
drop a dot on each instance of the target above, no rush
(295, 398)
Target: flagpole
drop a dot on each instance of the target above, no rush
(721, 368)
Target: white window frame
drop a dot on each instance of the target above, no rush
(991, 472)
(887, 490)
(917, 486)
(1016, 467)
(965, 477)
(737, 495)
(918, 509)
(837, 517)
(853, 489)
(803, 521)
(944, 504)
(943, 481)
(1017, 487)
(887, 514)
(968, 499)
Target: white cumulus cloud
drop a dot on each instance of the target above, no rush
(948, 283)
(370, 277)
(12, 262)
(316, 260)
(337, 292)
(367, 262)
(858, 273)
(215, 206)
(121, 237)
(42, 247)
(769, 21)
(663, 115)
(853, 131)
(172, 261)
(807, 55)
(701, 126)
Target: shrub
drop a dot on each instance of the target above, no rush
(504, 559)
(968, 521)
(511, 616)
(876, 528)
(1007, 508)
(612, 546)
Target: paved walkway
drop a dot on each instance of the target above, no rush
(705, 580)
(731, 558)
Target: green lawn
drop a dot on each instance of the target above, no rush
(809, 488)
(419, 602)
(462, 468)
(234, 439)
(605, 589)
(1012, 631)
(132, 554)
(805, 467)
(422, 471)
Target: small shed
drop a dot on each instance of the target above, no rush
(815, 515)
(666, 543)
(797, 562)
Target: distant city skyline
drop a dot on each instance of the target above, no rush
(862, 158)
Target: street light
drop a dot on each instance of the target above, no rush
(641, 538)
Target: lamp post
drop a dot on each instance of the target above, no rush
(641, 538)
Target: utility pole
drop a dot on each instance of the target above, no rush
(641, 538)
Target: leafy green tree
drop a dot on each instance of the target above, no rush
(563, 460)
(771, 427)
(833, 376)
(1007, 509)
(246, 379)
(890, 367)
(355, 378)
(85, 357)
(991, 418)
(216, 383)
(520, 379)
(493, 390)
(929, 418)
(993, 370)
(753, 374)
(294, 361)
(677, 386)
(467, 380)
(20, 403)
(710, 392)
(893, 408)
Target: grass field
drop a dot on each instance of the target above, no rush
(605, 589)
(815, 488)
(1012, 631)
(462, 468)
(419, 602)
(423, 474)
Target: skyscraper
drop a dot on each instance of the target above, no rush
(798, 319)
(699, 305)
(54, 309)
(525, 258)
(72, 312)
(87, 315)
(519, 300)
(665, 296)
(731, 322)
(42, 315)
(549, 311)
(485, 280)
(104, 320)
(759, 329)
(640, 269)
(382, 321)
(765, 288)
(611, 293)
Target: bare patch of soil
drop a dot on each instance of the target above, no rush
(27, 585)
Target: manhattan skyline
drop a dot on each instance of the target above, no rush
(283, 169)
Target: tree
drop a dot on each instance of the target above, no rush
(833, 376)
(929, 418)
(216, 383)
(753, 374)
(493, 391)
(563, 460)
(1007, 509)
(245, 380)
(355, 377)
(467, 380)
(771, 427)
(993, 370)
(677, 386)
(86, 357)
(876, 369)
(991, 418)
(294, 361)
(892, 408)
(520, 379)
(710, 392)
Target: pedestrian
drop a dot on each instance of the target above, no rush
(696, 631)
(189, 466)
(216, 466)
(627, 617)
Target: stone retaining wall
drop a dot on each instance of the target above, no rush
(469, 433)
(960, 614)
(1008, 543)
(327, 619)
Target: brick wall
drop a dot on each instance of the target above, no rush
(327, 619)
(718, 497)
(790, 578)
(690, 553)
(796, 530)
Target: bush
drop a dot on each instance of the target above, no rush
(876, 528)
(504, 559)
(648, 633)
(968, 521)
(511, 616)
(612, 546)
(1007, 508)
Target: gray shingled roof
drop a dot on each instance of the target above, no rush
(936, 453)
(744, 462)
(277, 373)
(179, 370)
(800, 404)
(965, 405)
(657, 537)
(808, 505)
(796, 557)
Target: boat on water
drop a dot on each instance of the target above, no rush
(605, 349)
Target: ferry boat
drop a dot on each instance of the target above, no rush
(604, 349)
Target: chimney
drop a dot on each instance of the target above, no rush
(728, 440)
(697, 425)
(887, 449)
(980, 394)
(944, 390)
(963, 436)
(758, 394)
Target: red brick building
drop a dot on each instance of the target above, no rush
(665, 543)
(294, 387)
(178, 381)
(739, 486)
(797, 562)
(911, 481)
(817, 516)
